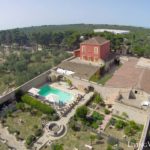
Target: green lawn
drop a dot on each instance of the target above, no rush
(79, 139)
(104, 79)
(101, 80)
(120, 134)
(23, 122)
(3, 146)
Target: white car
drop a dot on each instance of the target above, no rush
(145, 103)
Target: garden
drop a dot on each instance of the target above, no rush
(27, 118)
(82, 131)
(128, 131)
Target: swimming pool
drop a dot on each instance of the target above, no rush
(64, 97)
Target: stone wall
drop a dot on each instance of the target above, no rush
(35, 82)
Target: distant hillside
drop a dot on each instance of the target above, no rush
(137, 41)
(77, 27)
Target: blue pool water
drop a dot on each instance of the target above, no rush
(64, 97)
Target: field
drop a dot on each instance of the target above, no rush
(3, 146)
(20, 66)
(78, 140)
(23, 122)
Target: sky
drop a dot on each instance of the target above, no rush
(23, 13)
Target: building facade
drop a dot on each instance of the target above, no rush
(94, 49)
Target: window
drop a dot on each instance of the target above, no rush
(83, 49)
(96, 50)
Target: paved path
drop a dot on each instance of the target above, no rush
(11, 139)
(63, 121)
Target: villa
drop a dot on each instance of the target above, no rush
(95, 49)
(89, 59)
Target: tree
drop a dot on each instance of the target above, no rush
(30, 139)
(92, 138)
(120, 124)
(81, 112)
(98, 99)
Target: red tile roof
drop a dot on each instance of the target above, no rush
(95, 41)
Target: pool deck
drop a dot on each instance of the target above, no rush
(66, 88)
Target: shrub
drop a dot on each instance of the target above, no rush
(18, 94)
(129, 131)
(124, 114)
(97, 98)
(133, 125)
(37, 104)
(109, 147)
(30, 139)
(94, 125)
(74, 126)
(112, 141)
(120, 124)
(133, 141)
(107, 111)
(99, 137)
(20, 106)
(81, 112)
(55, 117)
(57, 147)
(38, 132)
(112, 121)
(97, 116)
(69, 82)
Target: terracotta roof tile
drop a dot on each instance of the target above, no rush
(95, 41)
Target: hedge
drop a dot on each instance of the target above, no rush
(46, 109)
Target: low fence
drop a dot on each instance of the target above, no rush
(35, 82)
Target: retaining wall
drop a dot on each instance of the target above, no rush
(35, 82)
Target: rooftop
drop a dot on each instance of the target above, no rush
(112, 31)
(131, 76)
(95, 41)
(82, 70)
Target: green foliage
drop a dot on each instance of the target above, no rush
(120, 124)
(81, 112)
(38, 132)
(124, 114)
(112, 141)
(95, 78)
(132, 128)
(30, 139)
(92, 138)
(129, 131)
(106, 111)
(37, 104)
(74, 125)
(18, 94)
(20, 106)
(109, 147)
(69, 82)
(97, 98)
(57, 147)
(133, 141)
(97, 116)
(96, 120)
(112, 121)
